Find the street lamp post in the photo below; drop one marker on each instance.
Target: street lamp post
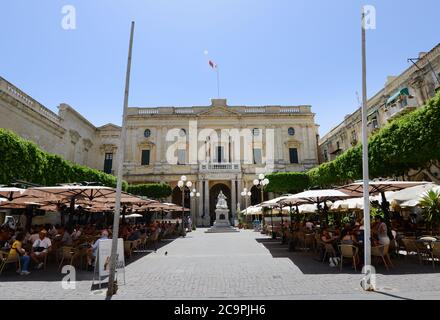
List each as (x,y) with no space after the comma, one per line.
(246,195)
(195,194)
(181,184)
(261,183)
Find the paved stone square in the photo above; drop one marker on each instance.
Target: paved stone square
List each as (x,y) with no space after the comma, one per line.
(244,265)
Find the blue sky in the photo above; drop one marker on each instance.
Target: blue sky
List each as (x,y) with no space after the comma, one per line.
(278,52)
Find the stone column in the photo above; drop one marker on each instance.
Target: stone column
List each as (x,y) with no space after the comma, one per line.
(206,220)
(239,190)
(278,145)
(233,200)
(199,210)
(305,145)
(164,144)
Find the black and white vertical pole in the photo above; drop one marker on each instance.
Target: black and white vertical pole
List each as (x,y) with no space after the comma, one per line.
(113,256)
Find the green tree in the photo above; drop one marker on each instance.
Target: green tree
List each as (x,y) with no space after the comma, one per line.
(288,182)
(151,190)
(21,159)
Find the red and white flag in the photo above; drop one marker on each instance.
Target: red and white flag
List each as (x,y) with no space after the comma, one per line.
(212,64)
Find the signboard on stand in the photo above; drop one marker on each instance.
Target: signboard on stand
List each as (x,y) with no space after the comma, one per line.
(102,262)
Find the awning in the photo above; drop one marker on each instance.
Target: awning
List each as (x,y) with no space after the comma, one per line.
(373,111)
(399,93)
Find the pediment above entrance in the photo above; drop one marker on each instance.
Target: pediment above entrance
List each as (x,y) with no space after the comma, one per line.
(219,112)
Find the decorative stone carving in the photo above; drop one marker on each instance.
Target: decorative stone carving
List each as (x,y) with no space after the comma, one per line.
(88,144)
(74,136)
(108,148)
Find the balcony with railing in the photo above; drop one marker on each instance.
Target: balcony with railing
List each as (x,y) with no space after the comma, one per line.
(290,110)
(399,108)
(143,111)
(220,167)
(372,126)
(183,110)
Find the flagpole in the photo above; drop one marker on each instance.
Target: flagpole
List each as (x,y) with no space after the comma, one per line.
(115,231)
(365,169)
(218,81)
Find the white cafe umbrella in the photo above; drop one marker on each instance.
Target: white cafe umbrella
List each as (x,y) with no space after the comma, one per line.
(411,197)
(317,196)
(378,187)
(11,193)
(275,202)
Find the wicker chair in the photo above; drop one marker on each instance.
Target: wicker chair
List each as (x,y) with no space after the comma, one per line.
(6,258)
(309,241)
(411,248)
(329,251)
(348,251)
(435,253)
(382,252)
(68,253)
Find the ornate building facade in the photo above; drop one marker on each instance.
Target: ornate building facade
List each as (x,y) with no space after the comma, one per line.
(218,147)
(400,95)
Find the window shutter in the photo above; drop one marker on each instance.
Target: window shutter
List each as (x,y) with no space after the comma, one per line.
(145,161)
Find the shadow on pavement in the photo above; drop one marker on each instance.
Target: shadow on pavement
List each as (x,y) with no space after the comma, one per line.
(308,261)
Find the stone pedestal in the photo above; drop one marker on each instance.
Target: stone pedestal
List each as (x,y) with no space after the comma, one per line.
(221,223)
(222,218)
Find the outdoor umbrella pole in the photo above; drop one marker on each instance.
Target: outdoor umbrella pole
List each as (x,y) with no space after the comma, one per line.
(283,236)
(297,210)
(71,209)
(325,212)
(386,210)
(291,217)
(124,210)
(271,221)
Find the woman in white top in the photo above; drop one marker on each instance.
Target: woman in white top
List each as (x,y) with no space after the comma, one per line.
(382,232)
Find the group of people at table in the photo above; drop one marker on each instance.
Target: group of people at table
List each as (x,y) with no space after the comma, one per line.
(36,244)
(350,234)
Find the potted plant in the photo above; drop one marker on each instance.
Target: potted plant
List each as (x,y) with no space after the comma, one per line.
(430,204)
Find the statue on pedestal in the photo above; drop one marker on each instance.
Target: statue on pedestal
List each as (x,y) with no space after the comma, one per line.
(221,201)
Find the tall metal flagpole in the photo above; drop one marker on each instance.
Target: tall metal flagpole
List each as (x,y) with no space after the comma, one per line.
(367,232)
(113,257)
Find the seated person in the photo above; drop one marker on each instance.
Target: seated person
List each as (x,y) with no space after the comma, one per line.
(17,249)
(65,237)
(326,238)
(349,238)
(4,236)
(40,248)
(93,250)
(53,231)
(34,235)
(135,235)
(143,234)
(77,233)
(309,225)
